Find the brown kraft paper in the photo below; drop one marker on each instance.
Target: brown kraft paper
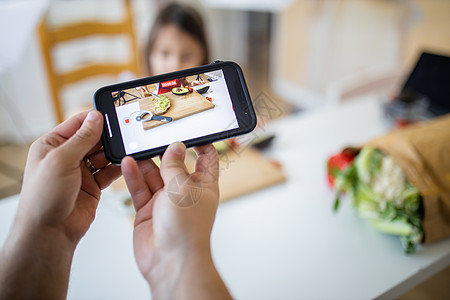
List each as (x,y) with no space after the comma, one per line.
(423,152)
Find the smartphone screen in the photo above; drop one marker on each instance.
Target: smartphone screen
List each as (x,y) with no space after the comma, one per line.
(195,106)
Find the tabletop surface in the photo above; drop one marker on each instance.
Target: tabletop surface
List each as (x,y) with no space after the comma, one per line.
(283,242)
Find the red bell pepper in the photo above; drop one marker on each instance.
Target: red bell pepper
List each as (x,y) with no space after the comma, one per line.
(339,162)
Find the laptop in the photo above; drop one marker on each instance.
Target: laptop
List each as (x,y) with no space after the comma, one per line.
(431,77)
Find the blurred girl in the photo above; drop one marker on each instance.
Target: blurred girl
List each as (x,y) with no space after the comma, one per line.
(177,41)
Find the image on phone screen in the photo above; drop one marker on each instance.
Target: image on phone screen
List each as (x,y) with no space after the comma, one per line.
(157,114)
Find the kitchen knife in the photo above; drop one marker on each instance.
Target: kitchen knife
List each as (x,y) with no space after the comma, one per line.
(148,116)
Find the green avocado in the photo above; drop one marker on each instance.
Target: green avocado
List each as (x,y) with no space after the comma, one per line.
(180,91)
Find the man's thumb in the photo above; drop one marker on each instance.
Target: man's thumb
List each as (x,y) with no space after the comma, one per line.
(86,137)
(172,162)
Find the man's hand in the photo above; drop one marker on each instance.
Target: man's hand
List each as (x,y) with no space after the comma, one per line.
(175,213)
(57,204)
(57,180)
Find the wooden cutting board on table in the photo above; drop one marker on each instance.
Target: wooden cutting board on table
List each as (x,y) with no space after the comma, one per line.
(243,171)
(246,172)
(180,107)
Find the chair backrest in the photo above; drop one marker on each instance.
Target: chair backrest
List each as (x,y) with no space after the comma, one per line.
(51,36)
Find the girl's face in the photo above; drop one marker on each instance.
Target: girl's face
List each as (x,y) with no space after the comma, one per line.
(174,50)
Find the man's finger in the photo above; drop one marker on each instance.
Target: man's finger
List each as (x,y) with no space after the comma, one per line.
(57,136)
(172,162)
(86,137)
(138,188)
(207,161)
(98,159)
(107,176)
(68,128)
(96,148)
(152,177)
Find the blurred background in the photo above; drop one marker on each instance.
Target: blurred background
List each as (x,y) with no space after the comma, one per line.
(305,53)
(302,55)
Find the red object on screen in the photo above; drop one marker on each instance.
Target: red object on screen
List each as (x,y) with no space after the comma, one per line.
(167,86)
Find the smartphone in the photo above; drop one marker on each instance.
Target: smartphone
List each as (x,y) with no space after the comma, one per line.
(195,106)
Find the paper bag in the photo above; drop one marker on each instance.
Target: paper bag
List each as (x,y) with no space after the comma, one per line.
(423,153)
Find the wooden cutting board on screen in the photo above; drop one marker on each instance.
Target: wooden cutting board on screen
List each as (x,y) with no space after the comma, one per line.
(180,107)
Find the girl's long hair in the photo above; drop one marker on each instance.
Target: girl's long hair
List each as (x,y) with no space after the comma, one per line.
(184,17)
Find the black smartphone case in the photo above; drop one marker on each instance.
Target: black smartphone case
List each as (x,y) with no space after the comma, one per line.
(244,100)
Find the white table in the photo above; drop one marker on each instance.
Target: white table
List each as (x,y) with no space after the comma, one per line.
(283,242)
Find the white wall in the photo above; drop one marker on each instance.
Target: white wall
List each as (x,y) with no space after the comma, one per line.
(24,99)
(327,48)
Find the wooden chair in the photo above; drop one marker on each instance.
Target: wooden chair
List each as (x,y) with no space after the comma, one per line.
(50,37)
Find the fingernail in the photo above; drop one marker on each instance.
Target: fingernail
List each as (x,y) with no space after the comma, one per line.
(92,116)
(178,148)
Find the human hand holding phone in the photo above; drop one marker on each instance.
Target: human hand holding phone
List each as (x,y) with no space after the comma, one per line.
(57,204)
(175,212)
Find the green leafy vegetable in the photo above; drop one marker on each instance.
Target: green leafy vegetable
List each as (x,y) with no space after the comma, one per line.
(380,192)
